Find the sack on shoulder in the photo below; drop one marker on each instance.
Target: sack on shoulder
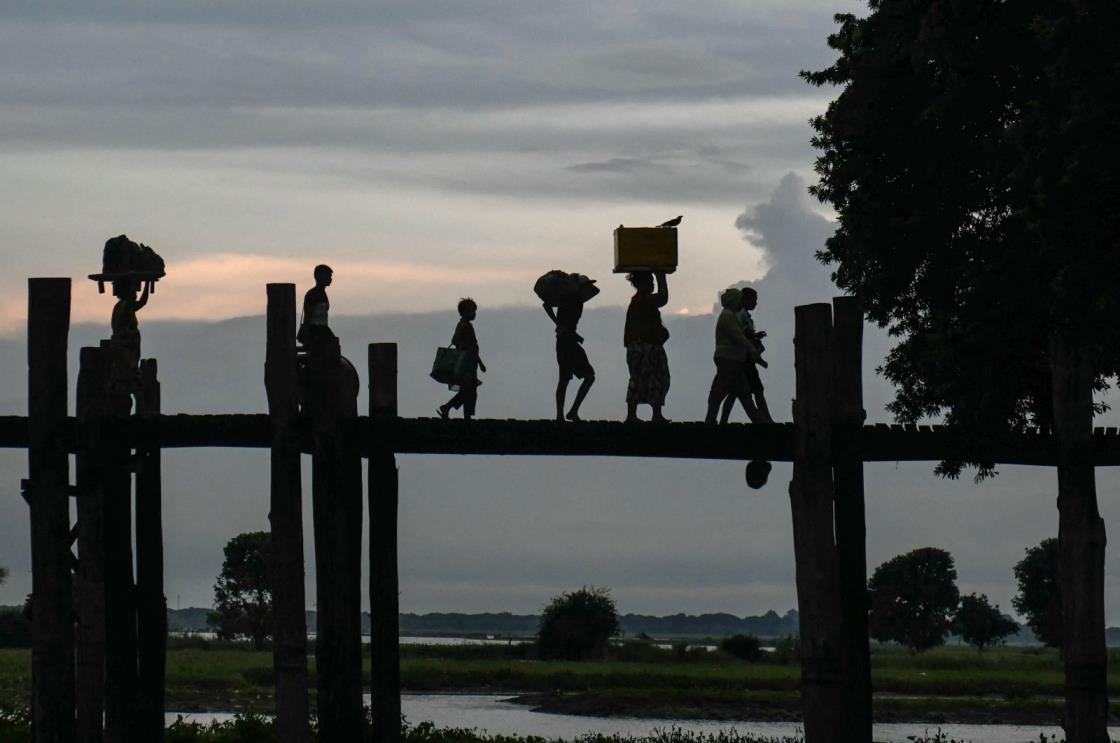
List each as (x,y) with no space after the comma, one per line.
(446,366)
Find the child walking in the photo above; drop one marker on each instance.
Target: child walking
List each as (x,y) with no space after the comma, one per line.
(468,382)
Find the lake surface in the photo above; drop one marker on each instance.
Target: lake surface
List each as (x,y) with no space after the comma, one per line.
(490,713)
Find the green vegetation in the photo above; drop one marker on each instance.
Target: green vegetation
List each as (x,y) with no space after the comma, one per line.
(743,647)
(578,625)
(1039,599)
(980,624)
(242,597)
(913,598)
(15,727)
(947,683)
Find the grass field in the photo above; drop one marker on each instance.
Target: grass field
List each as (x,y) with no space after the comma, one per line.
(1000,684)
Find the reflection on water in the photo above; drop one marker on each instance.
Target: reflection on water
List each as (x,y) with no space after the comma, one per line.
(490,713)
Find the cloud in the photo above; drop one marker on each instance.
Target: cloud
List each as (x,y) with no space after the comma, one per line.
(790,231)
(225,285)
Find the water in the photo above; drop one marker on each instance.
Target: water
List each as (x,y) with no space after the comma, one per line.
(490,713)
(404,640)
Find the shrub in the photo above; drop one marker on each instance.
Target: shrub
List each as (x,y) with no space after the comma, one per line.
(743,647)
(578,625)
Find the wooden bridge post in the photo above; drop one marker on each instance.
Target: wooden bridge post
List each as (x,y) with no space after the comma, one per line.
(47,493)
(151,604)
(289,603)
(851,528)
(337,513)
(384,605)
(120,587)
(90,631)
(811,501)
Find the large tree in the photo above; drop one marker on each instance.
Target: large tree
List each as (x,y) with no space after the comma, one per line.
(913,597)
(243,594)
(972,159)
(1039,599)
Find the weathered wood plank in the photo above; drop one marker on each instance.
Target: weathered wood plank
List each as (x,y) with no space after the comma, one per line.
(52,638)
(851,528)
(880,442)
(289,650)
(90,628)
(814,547)
(337,512)
(151,604)
(120,584)
(385,678)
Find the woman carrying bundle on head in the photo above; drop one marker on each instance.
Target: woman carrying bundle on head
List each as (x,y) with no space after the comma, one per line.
(644,338)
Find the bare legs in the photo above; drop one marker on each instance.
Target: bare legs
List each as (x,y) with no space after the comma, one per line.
(632,413)
(581,393)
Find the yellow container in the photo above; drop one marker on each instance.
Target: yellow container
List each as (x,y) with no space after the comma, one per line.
(645,249)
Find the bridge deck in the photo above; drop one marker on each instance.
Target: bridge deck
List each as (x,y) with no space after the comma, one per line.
(688,440)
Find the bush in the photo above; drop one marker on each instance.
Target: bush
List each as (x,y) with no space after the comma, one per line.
(980,624)
(743,647)
(15,629)
(787,650)
(578,625)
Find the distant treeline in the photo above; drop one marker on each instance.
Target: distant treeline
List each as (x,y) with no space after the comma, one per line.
(15,631)
(504,624)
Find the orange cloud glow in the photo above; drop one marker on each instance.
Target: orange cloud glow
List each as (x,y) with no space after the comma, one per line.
(225,285)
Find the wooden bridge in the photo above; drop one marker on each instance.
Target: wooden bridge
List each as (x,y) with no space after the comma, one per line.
(102,677)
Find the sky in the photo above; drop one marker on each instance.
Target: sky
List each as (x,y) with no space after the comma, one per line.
(429,151)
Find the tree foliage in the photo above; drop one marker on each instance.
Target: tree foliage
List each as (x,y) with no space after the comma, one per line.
(743,647)
(578,625)
(972,159)
(980,624)
(1040,597)
(243,594)
(913,598)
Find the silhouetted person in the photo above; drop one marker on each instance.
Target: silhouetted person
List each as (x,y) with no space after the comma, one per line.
(314,324)
(570,356)
(126,328)
(468,382)
(645,337)
(733,348)
(746,322)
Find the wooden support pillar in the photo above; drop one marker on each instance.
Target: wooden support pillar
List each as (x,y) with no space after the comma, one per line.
(337,511)
(120,588)
(90,630)
(1081,544)
(384,605)
(289,603)
(52,621)
(851,527)
(814,546)
(151,604)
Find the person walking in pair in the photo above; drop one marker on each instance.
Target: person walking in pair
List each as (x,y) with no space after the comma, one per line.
(733,350)
(748,301)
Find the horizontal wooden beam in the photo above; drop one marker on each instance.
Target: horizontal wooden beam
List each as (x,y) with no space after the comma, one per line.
(872,443)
